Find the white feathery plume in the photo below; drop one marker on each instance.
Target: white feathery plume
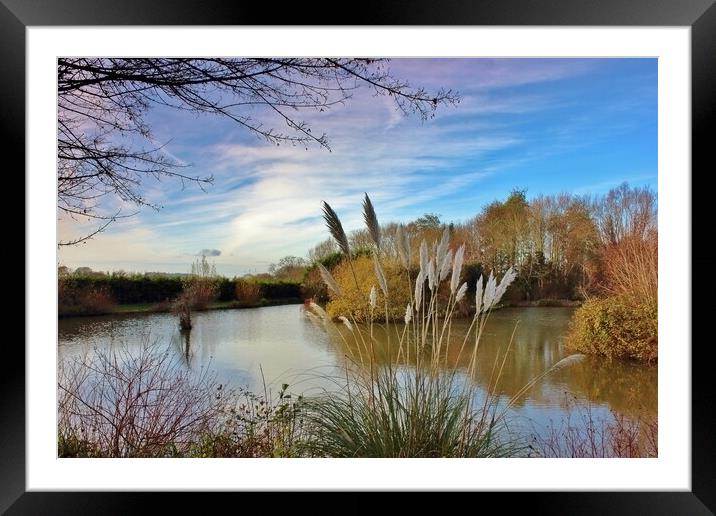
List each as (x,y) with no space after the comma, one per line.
(373,297)
(424,257)
(432,273)
(408,313)
(457,268)
(345,321)
(328,279)
(442,247)
(446,266)
(478,295)
(317,310)
(461,292)
(567,361)
(419,282)
(403,244)
(314,318)
(507,279)
(489,296)
(380,275)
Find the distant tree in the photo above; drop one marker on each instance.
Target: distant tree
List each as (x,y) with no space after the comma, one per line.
(105,144)
(626,212)
(289,268)
(427,221)
(201,268)
(322,249)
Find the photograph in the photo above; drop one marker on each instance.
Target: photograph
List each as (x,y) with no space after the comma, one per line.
(357,257)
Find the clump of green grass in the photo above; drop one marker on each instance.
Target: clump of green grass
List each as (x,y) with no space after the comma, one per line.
(401,414)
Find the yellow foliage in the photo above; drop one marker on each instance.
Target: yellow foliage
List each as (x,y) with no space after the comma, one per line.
(353,301)
(618,327)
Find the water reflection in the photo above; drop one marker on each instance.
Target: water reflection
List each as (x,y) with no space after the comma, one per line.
(269,346)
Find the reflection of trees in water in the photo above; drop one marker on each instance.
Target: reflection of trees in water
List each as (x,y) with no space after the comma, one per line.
(627,388)
(186,342)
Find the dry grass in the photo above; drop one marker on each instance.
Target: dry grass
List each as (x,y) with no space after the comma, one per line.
(121,403)
(622,322)
(248,292)
(631,267)
(583,434)
(124,404)
(90,300)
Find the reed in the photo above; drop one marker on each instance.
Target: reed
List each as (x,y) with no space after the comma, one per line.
(386,408)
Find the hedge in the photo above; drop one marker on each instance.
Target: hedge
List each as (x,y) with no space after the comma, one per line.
(156,289)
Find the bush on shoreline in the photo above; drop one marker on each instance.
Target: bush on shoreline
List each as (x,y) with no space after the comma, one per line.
(616,327)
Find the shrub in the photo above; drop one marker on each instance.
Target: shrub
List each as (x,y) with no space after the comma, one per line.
(399,416)
(353,299)
(313,286)
(226,289)
(281,289)
(631,268)
(126,404)
(119,404)
(616,327)
(83,298)
(248,292)
(257,426)
(200,292)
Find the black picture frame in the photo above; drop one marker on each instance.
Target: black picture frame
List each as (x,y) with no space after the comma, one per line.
(700,15)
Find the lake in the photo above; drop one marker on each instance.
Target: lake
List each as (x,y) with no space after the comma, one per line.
(262,348)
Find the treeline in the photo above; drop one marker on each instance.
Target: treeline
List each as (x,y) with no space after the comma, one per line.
(557,243)
(95,293)
(601,250)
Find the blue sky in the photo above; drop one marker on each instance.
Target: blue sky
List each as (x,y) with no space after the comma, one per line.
(545,125)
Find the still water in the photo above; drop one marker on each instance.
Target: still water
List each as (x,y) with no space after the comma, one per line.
(262,348)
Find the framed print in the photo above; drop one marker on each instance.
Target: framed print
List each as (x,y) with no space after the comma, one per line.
(200,154)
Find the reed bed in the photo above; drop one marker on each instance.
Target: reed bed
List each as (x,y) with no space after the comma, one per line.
(429,409)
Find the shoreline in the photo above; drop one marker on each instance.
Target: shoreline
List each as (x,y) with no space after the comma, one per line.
(151,308)
(545,303)
(157,308)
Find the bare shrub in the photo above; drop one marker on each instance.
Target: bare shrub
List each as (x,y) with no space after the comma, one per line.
(632,268)
(83,300)
(141,404)
(248,292)
(258,426)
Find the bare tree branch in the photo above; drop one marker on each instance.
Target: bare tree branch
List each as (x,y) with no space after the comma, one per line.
(105,147)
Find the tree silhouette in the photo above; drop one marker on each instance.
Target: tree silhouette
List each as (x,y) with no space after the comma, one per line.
(105,145)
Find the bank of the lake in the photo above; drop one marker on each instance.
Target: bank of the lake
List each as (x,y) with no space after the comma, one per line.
(148,308)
